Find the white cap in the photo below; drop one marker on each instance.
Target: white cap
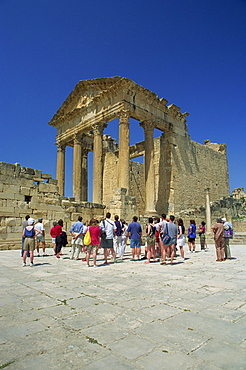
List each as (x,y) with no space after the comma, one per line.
(30,221)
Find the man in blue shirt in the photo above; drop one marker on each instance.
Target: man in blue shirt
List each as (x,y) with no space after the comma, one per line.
(134,232)
(78,231)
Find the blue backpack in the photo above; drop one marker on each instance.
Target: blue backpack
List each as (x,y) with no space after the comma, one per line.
(29,233)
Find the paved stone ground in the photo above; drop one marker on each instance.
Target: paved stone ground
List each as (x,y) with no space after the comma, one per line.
(60,314)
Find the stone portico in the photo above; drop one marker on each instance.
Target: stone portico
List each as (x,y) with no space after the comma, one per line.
(174,166)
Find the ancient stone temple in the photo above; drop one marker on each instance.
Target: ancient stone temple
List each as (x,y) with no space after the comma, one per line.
(177,172)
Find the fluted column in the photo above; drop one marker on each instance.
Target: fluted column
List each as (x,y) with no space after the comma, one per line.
(124,151)
(149,168)
(77,161)
(84,175)
(98,163)
(208,210)
(60,167)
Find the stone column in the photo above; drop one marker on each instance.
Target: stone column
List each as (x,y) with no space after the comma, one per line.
(77,160)
(208,210)
(98,163)
(124,151)
(84,175)
(149,168)
(60,167)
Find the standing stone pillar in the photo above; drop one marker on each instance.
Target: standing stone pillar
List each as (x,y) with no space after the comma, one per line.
(60,168)
(149,168)
(124,151)
(84,175)
(208,210)
(77,159)
(98,163)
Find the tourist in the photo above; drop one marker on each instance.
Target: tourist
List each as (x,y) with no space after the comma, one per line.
(157,236)
(161,228)
(94,230)
(150,238)
(202,235)
(29,243)
(24,224)
(117,234)
(227,235)
(78,231)
(192,236)
(40,237)
(172,230)
(218,230)
(107,226)
(123,239)
(134,232)
(60,238)
(53,234)
(181,238)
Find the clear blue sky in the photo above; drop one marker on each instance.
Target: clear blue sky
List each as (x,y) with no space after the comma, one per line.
(192,53)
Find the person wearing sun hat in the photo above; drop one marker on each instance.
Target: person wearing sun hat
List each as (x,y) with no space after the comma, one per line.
(29,233)
(227,236)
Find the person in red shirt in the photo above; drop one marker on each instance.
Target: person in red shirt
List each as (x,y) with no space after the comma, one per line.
(94,230)
(56,231)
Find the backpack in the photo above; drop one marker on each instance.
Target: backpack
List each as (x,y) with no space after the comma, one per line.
(29,233)
(152,230)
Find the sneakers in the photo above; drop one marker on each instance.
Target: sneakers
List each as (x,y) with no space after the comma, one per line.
(24,264)
(45,254)
(95,266)
(31,264)
(38,255)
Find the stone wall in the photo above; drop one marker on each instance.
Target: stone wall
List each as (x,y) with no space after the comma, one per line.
(28,191)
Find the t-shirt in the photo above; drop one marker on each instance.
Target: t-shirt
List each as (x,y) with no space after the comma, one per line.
(108,226)
(55,231)
(162,225)
(134,229)
(77,227)
(171,229)
(95,234)
(192,233)
(40,227)
(118,228)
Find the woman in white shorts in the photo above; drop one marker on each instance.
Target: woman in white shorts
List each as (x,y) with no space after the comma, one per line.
(181,238)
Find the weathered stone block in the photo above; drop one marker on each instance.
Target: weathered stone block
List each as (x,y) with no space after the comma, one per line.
(11,221)
(46,176)
(3,229)
(48,188)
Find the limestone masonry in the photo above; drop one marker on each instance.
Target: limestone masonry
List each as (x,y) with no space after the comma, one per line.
(179,176)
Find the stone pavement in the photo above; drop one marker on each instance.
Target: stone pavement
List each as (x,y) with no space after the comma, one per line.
(60,314)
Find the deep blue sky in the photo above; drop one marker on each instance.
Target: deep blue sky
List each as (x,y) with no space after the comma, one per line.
(192,53)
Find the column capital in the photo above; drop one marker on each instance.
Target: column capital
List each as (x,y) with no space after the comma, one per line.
(60,146)
(77,138)
(147,125)
(98,128)
(124,116)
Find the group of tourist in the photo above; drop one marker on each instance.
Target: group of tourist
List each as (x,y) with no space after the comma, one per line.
(163,239)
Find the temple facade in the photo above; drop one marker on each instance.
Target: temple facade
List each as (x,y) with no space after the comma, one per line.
(177,173)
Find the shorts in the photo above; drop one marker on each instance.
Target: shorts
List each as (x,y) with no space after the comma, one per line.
(107,243)
(190,240)
(79,240)
(135,243)
(29,244)
(40,238)
(150,240)
(181,241)
(91,247)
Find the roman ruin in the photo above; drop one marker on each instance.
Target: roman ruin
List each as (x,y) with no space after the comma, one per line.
(178,175)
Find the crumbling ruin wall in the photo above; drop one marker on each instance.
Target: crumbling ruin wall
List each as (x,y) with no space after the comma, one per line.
(28,191)
(196,167)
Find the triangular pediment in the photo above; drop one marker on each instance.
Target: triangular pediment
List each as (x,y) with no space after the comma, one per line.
(83,94)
